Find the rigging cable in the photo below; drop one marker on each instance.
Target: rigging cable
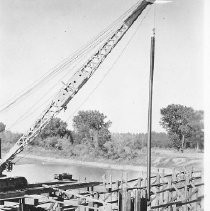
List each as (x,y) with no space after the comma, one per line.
(154,20)
(109,69)
(71,59)
(34,106)
(106,74)
(29,112)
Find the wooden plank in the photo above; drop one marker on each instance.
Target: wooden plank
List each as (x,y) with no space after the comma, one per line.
(132,204)
(169,193)
(158,189)
(178,203)
(70,186)
(120,200)
(137,200)
(143,204)
(128,201)
(124,199)
(180,187)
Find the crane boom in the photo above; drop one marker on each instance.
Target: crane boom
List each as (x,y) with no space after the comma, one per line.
(74,84)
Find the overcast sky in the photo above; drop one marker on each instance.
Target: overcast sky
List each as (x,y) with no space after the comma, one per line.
(35,35)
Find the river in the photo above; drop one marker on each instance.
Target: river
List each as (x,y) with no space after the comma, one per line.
(42,169)
(42,172)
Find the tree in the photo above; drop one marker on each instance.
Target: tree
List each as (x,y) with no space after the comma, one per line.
(92,128)
(56,127)
(197,138)
(2,127)
(181,123)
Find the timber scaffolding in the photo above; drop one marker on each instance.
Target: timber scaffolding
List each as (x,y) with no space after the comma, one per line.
(181,190)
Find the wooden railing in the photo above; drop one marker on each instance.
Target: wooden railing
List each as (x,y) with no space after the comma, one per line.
(181,190)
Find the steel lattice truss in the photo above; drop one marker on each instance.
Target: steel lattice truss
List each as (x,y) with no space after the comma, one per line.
(74,84)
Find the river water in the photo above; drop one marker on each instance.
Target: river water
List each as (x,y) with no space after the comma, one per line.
(43,172)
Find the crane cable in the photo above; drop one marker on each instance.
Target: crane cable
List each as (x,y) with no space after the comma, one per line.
(99,39)
(106,74)
(71,59)
(110,68)
(29,112)
(34,107)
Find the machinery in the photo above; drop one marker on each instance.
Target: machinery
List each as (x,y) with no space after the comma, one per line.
(70,89)
(12,183)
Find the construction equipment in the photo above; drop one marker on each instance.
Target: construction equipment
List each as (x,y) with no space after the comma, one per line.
(74,84)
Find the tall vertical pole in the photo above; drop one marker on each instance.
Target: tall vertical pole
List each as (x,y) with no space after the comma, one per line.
(0,148)
(1,175)
(149,130)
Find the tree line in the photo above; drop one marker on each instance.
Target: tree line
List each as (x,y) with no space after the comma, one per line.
(91,134)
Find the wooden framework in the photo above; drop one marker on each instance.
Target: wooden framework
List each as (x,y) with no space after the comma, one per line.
(179,191)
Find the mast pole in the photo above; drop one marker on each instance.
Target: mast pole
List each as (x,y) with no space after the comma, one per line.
(149,129)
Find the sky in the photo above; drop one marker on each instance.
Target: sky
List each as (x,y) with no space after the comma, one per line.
(37,35)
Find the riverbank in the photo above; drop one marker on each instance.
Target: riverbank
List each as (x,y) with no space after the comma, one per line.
(161,159)
(103,165)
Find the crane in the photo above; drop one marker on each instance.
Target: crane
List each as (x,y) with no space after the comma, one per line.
(73,85)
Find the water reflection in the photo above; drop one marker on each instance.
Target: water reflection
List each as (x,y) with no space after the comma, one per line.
(43,172)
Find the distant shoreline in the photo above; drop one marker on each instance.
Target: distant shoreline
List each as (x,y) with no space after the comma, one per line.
(166,160)
(103,165)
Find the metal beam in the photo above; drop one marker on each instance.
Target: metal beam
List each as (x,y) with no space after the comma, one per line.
(149,131)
